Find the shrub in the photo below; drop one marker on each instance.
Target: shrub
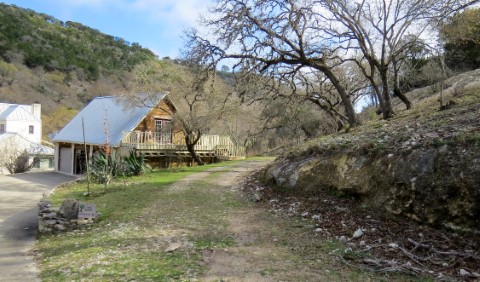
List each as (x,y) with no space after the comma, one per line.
(104,168)
(135,164)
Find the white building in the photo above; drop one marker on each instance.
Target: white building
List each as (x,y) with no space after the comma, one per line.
(24,120)
(21,129)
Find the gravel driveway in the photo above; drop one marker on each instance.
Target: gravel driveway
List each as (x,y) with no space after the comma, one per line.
(19,195)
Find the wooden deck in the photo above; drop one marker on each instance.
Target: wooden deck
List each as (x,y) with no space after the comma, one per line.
(153,144)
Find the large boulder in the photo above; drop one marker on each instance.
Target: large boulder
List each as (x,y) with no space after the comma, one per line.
(69,209)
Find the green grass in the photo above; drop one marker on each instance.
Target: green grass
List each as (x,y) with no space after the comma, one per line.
(123,244)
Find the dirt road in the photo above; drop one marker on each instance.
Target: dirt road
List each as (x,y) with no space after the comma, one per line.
(247,243)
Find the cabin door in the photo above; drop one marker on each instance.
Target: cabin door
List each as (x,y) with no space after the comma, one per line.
(65,161)
(163,131)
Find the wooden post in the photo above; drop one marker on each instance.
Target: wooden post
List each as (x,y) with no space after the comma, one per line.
(86,157)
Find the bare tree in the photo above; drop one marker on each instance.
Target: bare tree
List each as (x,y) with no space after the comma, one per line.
(377,31)
(201,99)
(202,103)
(273,38)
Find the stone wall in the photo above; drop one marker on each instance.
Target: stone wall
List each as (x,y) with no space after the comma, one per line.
(51,219)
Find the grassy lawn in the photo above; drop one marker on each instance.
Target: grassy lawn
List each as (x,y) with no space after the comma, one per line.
(211,232)
(129,240)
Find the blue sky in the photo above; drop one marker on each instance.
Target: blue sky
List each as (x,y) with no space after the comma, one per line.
(154,24)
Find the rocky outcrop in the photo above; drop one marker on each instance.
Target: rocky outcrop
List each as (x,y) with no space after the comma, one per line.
(51,219)
(435,185)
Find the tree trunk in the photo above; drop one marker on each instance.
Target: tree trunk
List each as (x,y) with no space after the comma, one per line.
(346,101)
(387,109)
(396,87)
(397,92)
(191,148)
(380,102)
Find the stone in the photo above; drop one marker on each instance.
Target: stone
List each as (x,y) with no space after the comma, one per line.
(343,239)
(393,245)
(50,222)
(443,149)
(44,204)
(411,183)
(256,197)
(463,272)
(60,227)
(48,210)
(316,217)
(358,233)
(83,221)
(318,230)
(69,209)
(305,214)
(173,247)
(49,215)
(45,229)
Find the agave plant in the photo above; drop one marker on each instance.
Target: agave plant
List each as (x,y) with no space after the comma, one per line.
(104,168)
(135,164)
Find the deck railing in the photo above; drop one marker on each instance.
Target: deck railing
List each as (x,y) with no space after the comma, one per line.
(222,146)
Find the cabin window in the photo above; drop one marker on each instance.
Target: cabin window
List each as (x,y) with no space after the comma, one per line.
(31,129)
(163,131)
(2,128)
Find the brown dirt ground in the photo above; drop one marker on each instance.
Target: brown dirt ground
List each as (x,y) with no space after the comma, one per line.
(267,247)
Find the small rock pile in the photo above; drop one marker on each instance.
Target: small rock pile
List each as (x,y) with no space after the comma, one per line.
(52,219)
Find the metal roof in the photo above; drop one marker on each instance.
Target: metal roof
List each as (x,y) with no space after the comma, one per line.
(23,143)
(104,115)
(16,112)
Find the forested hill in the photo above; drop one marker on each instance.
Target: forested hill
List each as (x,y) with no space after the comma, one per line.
(61,65)
(41,40)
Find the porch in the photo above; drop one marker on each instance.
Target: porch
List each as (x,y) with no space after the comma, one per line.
(155,144)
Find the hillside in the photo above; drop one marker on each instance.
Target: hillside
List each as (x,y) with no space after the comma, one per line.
(417,174)
(35,39)
(61,65)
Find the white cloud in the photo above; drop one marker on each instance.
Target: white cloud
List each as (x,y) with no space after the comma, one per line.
(164,20)
(176,15)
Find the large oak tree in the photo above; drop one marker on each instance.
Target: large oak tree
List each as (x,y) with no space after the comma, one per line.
(278,39)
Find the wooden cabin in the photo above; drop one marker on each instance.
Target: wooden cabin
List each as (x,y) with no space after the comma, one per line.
(147,128)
